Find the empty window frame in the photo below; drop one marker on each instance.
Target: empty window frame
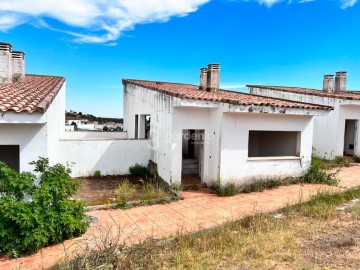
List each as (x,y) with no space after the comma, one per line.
(10,154)
(274,143)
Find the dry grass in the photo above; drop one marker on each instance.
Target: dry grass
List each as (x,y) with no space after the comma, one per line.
(287,239)
(122,189)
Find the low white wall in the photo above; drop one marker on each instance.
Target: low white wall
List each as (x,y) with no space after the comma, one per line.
(110,157)
(81,135)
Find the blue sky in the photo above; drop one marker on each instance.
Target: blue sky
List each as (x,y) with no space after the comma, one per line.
(95,44)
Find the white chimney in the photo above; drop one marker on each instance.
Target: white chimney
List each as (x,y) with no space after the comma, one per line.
(18,66)
(203,78)
(340,81)
(328,83)
(5,63)
(213,77)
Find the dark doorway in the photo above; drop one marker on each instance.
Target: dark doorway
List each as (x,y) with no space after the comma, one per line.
(192,156)
(349,138)
(10,154)
(136,126)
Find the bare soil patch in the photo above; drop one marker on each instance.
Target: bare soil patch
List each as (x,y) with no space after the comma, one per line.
(101,190)
(336,248)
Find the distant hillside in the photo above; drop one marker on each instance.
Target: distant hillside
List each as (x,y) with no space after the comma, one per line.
(90,117)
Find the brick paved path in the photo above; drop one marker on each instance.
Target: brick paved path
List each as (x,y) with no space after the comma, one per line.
(197,211)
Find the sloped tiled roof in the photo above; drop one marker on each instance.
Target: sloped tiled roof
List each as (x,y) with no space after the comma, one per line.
(192,92)
(351,95)
(35,94)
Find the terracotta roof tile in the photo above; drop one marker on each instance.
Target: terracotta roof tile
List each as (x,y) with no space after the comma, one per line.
(193,92)
(34,94)
(351,95)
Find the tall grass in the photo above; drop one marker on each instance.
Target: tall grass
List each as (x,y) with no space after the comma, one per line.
(255,242)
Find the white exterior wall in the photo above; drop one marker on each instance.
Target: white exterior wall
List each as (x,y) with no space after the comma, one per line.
(198,118)
(329,130)
(350,112)
(110,157)
(235,164)
(141,101)
(30,137)
(91,135)
(55,124)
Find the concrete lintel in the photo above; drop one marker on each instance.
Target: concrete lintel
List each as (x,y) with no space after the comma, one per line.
(198,103)
(11,117)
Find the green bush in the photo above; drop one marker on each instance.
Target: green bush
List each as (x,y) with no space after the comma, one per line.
(356,159)
(318,173)
(139,170)
(49,217)
(97,174)
(261,185)
(227,190)
(340,160)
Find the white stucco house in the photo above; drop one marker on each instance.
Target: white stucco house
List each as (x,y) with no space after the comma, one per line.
(214,134)
(31,108)
(185,132)
(336,133)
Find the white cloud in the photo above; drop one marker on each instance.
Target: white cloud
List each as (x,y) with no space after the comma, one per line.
(269,3)
(305,1)
(93,21)
(347,3)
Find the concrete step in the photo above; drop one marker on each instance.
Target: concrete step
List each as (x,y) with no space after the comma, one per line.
(189,161)
(191,166)
(190,171)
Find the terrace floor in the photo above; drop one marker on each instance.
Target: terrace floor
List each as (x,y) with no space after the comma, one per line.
(199,210)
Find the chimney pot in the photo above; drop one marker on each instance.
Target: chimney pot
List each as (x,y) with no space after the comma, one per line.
(213,77)
(5,63)
(340,81)
(203,78)
(18,66)
(328,83)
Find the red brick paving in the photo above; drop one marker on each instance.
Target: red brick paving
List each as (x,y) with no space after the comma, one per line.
(197,211)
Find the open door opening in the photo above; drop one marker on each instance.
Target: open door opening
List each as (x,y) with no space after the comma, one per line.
(192,156)
(349,138)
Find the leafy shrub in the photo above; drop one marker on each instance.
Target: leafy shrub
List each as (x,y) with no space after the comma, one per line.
(49,217)
(356,159)
(97,174)
(229,189)
(125,192)
(317,173)
(139,170)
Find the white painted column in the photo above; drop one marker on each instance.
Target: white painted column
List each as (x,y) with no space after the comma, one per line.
(141,126)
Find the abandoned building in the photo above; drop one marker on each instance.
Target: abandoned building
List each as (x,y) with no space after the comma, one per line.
(211,134)
(335,134)
(31,108)
(196,133)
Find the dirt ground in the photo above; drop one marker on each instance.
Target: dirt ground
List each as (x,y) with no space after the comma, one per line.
(100,190)
(338,247)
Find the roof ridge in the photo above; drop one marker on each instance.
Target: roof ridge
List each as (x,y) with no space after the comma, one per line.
(282,86)
(44,104)
(125,79)
(220,96)
(44,75)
